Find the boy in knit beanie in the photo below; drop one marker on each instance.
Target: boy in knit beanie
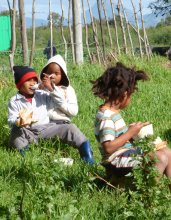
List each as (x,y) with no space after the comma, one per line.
(28,113)
(27,110)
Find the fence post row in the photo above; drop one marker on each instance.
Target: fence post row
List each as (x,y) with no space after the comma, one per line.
(118,40)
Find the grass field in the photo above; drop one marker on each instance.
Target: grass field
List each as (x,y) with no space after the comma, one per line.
(38,188)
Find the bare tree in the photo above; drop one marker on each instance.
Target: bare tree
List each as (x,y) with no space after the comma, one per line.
(162,7)
(33,33)
(23,31)
(10,11)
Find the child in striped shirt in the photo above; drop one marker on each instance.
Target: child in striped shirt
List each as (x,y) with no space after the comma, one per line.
(116,87)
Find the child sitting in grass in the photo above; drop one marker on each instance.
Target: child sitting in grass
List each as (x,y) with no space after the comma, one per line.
(115,87)
(55,79)
(28,115)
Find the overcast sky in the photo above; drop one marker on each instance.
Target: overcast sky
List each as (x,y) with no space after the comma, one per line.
(42,6)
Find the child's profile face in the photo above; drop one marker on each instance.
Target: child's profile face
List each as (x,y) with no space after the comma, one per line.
(54,70)
(26,87)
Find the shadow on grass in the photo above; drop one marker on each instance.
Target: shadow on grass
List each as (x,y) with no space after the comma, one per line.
(83,178)
(23,175)
(47,145)
(73,184)
(4,212)
(80,184)
(5,143)
(167,135)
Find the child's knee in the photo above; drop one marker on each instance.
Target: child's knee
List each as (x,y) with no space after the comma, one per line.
(162,157)
(76,131)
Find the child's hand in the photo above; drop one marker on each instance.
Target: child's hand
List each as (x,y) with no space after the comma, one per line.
(135,128)
(46,81)
(25,118)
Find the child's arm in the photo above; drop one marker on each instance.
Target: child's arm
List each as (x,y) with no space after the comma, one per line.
(111,146)
(65,100)
(12,114)
(46,83)
(20,118)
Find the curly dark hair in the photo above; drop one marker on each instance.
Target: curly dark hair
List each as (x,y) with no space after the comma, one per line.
(117,80)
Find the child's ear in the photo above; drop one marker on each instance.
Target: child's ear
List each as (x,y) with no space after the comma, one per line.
(125,93)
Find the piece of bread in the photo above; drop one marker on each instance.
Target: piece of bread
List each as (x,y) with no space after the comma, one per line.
(159,144)
(25,118)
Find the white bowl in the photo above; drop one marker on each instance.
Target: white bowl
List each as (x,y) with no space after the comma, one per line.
(145,132)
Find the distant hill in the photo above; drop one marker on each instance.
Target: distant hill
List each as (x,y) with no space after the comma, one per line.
(41,22)
(150,20)
(38,22)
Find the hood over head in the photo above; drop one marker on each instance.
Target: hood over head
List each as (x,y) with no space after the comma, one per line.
(58,59)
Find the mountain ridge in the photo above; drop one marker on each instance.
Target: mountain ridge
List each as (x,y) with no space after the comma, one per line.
(150,20)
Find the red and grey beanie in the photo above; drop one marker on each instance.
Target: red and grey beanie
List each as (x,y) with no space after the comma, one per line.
(22,74)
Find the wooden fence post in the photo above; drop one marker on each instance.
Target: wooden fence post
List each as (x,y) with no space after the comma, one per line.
(33,33)
(138,31)
(51,30)
(62,31)
(94,33)
(115,26)
(101,28)
(127,25)
(77,27)
(23,31)
(107,23)
(70,31)
(122,27)
(144,31)
(86,32)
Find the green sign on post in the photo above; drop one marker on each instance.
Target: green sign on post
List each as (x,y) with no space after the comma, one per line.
(5,33)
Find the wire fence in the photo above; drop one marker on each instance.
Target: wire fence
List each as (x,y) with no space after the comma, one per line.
(106,31)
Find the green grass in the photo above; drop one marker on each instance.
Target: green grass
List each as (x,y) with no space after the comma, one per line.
(37,188)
